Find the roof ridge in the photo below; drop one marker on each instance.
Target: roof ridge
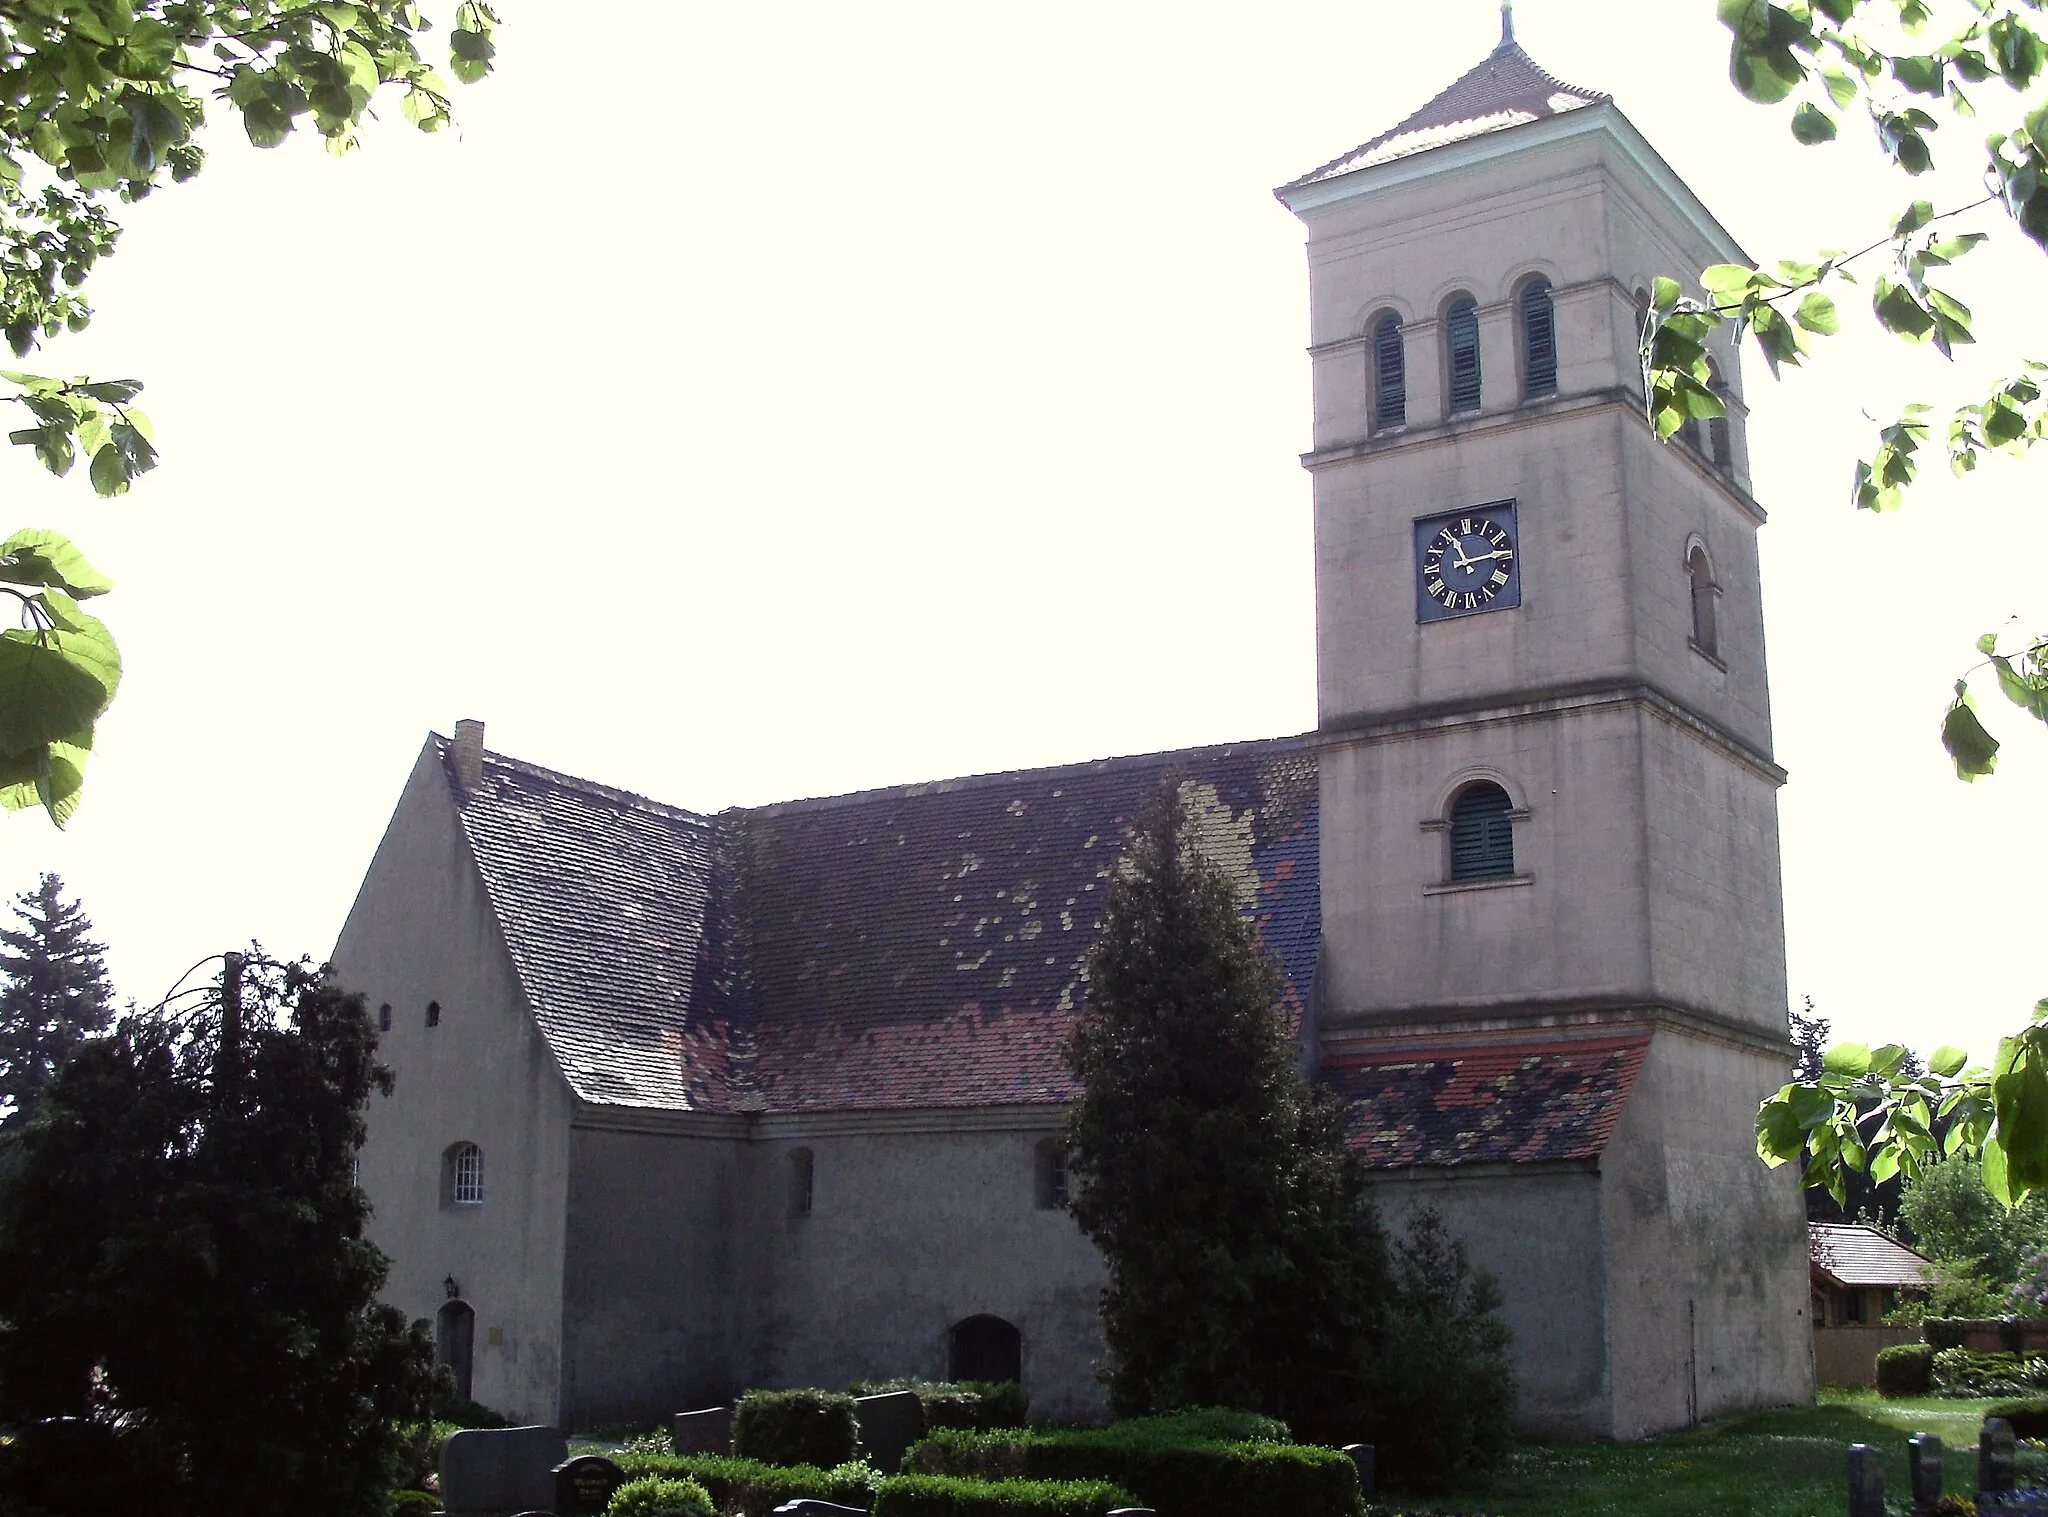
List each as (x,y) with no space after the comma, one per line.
(1114,764)
(575,782)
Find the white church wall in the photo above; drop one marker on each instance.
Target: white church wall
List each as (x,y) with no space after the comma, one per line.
(422,931)
(651,1271)
(1536,1228)
(1707,1247)
(1576,930)
(913,1228)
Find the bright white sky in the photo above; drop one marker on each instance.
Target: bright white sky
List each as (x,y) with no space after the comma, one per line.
(765,401)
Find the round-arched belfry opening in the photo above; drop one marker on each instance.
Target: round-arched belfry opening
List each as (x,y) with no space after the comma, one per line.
(986,1348)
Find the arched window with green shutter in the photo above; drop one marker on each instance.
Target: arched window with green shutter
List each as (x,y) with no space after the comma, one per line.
(1461,337)
(1482,833)
(1539,340)
(1390,375)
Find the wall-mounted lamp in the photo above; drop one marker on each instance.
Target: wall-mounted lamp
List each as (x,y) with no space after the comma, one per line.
(451,1287)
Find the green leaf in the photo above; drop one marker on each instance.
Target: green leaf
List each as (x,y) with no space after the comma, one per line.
(1988,643)
(1664,293)
(1920,73)
(1884,1163)
(1811,125)
(1761,60)
(1887,1059)
(109,471)
(1847,1059)
(53,684)
(1948,249)
(36,556)
(1996,1178)
(1779,1136)
(1974,750)
(1817,313)
(1916,216)
(1841,87)
(1725,279)
(1899,312)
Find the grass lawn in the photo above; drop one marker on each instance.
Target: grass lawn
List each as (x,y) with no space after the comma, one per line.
(1790,1462)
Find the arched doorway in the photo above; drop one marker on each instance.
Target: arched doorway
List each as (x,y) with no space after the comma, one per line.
(454,1337)
(986,1348)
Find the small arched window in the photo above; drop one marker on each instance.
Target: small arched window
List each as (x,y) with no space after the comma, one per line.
(462,1175)
(802,1171)
(1461,344)
(1482,833)
(1539,340)
(1390,375)
(1700,572)
(433,1013)
(384,1017)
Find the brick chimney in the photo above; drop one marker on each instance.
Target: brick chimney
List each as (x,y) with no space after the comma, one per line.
(468,752)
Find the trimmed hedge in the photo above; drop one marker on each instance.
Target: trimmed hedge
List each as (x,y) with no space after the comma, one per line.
(753,1489)
(1225,1424)
(795,1427)
(1963,1372)
(949,1496)
(1905,1369)
(958,1403)
(660,1496)
(414,1504)
(2029,1416)
(1174,1473)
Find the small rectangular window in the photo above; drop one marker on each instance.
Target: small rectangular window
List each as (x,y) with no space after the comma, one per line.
(801,1173)
(384,1017)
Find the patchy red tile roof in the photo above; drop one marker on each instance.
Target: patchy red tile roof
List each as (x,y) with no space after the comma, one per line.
(1853,1255)
(1486,1103)
(1506,89)
(912,947)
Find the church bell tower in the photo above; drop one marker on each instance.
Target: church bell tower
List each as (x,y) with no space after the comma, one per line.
(1549,804)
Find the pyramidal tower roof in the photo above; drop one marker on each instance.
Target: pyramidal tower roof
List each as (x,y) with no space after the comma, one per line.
(1506,89)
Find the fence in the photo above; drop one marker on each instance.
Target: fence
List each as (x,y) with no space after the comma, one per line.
(1847,1355)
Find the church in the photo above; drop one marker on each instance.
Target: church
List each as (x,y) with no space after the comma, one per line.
(688,1103)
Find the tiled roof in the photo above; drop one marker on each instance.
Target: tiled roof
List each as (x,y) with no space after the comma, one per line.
(1506,89)
(912,947)
(1849,1255)
(601,895)
(1486,1103)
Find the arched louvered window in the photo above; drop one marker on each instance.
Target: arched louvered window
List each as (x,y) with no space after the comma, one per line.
(1705,635)
(1482,833)
(1720,442)
(1539,340)
(1461,339)
(1390,375)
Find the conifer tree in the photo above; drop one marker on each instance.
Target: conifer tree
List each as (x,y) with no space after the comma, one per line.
(1245,1267)
(189,1321)
(53,994)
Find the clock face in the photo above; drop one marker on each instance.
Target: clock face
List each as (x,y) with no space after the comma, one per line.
(1467,561)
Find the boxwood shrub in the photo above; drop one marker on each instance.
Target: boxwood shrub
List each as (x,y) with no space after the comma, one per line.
(959,1403)
(795,1427)
(749,1488)
(953,1496)
(1170,1471)
(660,1496)
(2029,1416)
(414,1504)
(1905,1369)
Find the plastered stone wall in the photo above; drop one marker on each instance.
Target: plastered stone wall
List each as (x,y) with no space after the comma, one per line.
(909,1233)
(1707,1247)
(651,1274)
(421,930)
(1537,1230)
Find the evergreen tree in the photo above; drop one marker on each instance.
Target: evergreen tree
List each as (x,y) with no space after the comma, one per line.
(1245,1267)
(53,994)
(188,1317)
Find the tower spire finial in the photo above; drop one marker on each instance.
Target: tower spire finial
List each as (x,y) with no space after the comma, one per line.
(1507,22)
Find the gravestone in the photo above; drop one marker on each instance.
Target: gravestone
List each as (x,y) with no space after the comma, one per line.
(708,1431)
(1134,1511)
(889,1424)
(584,1485)
(496,1471)
(813,1508)
(1362,1461)
(1866,1481)
(1994,1455)
(1923,1471)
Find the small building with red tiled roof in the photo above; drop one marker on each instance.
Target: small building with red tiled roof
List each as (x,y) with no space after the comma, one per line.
(1859,1274)
(690,1102)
